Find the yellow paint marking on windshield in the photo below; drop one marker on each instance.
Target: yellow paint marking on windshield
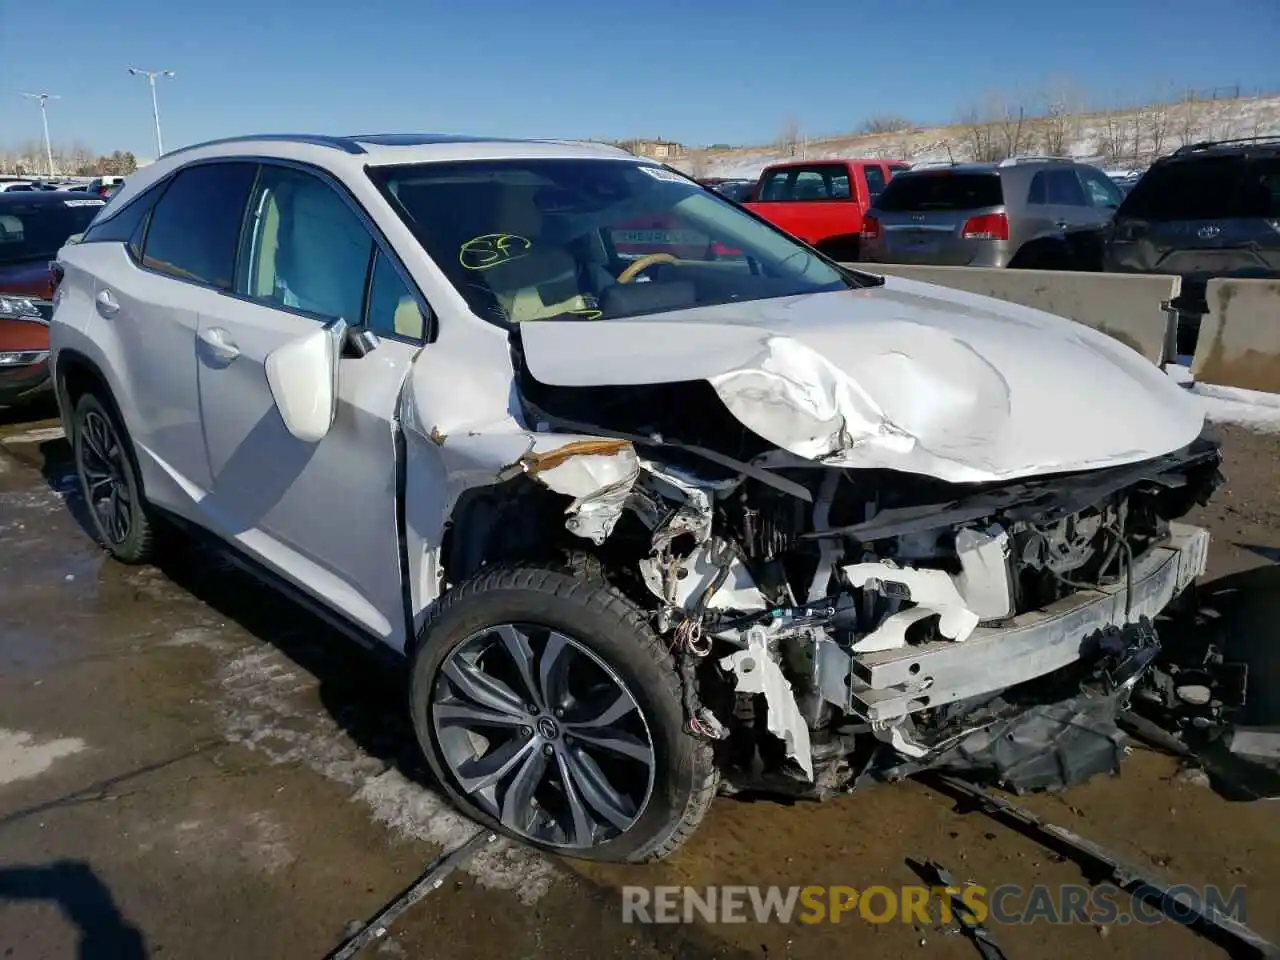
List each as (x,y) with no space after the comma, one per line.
(492,249)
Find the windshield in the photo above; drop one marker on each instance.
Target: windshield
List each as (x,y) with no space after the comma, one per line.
(30,231)
(594,239)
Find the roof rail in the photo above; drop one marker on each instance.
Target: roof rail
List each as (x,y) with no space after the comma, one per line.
(1183,150)
(1030,158)
(345,144)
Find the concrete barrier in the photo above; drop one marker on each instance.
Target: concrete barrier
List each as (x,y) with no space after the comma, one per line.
(1132,308)
(1239,342)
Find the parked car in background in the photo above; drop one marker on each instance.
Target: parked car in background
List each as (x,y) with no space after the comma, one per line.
(1024,212)
(823,201)
(1208,210)
(33,227)
(1125,179)
(104,186)
(16,186)
(738,190)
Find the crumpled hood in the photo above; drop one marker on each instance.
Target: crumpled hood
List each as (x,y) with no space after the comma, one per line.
(907,376)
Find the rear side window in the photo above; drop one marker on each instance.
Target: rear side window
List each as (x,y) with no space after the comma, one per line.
(828,181)
(196,224)
(1060,187)
(1207,188)
(918,192)
(126,226)
(875,181)
(1101,189)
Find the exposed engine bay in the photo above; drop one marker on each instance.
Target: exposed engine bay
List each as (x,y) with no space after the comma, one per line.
(831,623)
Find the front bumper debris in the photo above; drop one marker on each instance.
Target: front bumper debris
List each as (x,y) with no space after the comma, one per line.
(891,684)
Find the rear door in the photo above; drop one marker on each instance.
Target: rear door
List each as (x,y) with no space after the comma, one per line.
(1056,206)
(322,514)
(922,215)
(185,257)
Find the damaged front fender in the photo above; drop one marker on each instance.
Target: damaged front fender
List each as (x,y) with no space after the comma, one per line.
(597,473)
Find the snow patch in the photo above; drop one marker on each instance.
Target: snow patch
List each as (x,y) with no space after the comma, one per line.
(38,435)
(263,709)
(22,757)
(1244,408)
(1234,405)
(411,811)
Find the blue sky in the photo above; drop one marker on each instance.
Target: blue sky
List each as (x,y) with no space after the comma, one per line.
(689,71)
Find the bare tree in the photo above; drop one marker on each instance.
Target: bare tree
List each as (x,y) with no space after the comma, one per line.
(789,138)
(1190,117)
(1159,125)
(1062,105)
(1009,115)
(884,123)
(1115,138)
(80,157)
(697,164)
(978,136)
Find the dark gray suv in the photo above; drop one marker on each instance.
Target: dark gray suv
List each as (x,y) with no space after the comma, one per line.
(1024,212)
(1208,210)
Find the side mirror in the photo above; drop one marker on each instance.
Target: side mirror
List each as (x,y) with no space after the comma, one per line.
(303,377)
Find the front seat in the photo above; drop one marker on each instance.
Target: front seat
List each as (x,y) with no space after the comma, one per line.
(541,282)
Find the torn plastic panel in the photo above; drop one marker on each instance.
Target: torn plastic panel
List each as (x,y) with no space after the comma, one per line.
(597,473)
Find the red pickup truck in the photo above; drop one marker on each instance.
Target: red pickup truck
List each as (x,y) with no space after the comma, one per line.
(823,201)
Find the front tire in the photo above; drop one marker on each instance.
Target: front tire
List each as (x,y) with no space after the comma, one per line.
(549,710)
(109,482)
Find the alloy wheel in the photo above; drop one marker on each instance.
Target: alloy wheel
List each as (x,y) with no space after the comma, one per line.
(103,470)
(543,736)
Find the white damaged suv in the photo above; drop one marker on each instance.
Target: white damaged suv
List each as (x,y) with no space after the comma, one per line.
(653,499)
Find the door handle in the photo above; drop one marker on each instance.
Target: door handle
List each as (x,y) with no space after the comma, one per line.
(1061,224)
(220,343)
(106,303)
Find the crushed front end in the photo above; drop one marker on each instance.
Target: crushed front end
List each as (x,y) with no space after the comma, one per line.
(833,623)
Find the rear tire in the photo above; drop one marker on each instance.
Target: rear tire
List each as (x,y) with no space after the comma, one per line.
(109,481)
(500,642)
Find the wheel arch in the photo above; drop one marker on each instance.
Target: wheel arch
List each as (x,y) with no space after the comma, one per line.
(75,373)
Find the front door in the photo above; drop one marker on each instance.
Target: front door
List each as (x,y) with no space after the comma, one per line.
(322,514)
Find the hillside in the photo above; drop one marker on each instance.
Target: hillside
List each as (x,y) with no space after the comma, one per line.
(1120,139)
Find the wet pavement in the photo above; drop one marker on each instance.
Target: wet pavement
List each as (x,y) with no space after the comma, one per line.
(190,766)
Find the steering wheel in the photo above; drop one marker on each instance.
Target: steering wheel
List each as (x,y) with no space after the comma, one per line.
(644,263)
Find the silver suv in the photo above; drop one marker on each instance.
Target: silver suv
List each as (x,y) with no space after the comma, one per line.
(635,525)
(1025,212)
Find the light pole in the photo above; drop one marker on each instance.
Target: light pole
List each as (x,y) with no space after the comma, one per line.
(43,98)
(155,106)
